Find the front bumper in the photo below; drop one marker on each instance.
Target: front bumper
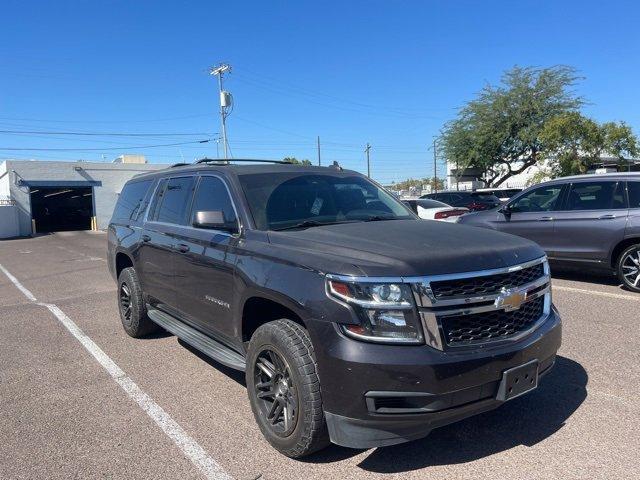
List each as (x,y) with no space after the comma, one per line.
(421,388)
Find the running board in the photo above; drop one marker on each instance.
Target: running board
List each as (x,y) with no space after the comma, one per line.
(198,340)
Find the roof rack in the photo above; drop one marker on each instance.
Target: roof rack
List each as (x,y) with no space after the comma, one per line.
(226,161)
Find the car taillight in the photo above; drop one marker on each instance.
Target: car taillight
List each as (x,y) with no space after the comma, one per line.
(449,213)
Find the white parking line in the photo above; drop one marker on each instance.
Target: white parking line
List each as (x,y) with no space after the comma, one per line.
(189,447)
(595,292)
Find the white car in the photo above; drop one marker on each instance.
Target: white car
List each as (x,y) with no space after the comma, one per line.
(435,210)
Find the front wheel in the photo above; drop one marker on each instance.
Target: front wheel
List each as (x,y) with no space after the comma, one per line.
(284,389)
(629,268)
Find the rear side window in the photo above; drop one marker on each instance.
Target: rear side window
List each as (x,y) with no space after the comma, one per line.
(212,195)
(131,202)
(634,194)
(595,196)
(173,201)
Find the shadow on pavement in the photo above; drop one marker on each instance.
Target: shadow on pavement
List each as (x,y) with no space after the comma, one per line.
(588,276)
(229,372)
(523,421)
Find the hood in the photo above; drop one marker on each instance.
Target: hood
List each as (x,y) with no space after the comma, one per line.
(403,248)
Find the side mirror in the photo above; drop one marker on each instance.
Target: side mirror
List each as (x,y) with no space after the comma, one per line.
(505,210)
(214,220)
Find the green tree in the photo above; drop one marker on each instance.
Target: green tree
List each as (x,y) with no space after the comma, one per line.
(295,161)
(573,143)
(499,131)
(418,182)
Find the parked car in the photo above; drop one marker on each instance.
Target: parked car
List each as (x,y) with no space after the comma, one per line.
(471,200)
(354,321)
(503,194)
(587,219)
(434,210)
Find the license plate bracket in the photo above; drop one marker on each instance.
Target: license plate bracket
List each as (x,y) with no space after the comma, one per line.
(518,380)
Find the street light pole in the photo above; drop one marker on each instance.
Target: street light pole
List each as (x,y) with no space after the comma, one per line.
(435,169)
(366,150)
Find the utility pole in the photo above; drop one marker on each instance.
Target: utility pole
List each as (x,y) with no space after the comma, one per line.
(225,102)
(319,161)
(435,168)
(366,150)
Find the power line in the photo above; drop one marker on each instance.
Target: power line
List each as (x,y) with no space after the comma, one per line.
(100,149)
(105,134)
(107,121)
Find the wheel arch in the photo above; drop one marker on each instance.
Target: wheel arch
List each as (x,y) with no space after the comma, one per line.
(621,247)
(258,309)
(121,261)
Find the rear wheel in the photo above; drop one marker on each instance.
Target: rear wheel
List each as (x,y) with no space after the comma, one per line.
(629,268)
(284,389)
(133,313)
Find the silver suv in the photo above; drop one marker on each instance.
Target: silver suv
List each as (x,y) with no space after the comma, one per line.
(590,219)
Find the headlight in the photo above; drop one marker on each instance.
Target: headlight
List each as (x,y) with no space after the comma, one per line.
(385,311)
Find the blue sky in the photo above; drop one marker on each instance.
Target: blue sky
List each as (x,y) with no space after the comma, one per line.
(383,72)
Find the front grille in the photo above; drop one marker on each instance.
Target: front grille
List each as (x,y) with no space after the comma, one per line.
(485,285)
(462,330)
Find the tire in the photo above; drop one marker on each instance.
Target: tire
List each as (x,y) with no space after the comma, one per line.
(628,268)
(133,312)
(297,425)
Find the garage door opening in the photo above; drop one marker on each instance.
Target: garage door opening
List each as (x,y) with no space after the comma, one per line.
(59,209)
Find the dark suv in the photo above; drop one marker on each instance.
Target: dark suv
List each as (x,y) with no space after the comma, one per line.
(354,321)
(472,200)
(586,220)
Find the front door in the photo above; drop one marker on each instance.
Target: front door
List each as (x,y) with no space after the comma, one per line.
(205,268)
(593,219)
(531,216)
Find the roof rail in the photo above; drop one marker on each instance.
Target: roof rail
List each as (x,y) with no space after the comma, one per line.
(226,161)
(179,165)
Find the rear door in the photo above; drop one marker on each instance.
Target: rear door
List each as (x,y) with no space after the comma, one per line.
(532,216)
(157,254)
(592,220)
(204,268)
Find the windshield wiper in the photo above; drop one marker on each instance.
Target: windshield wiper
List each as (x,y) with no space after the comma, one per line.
(307,224)
(378,218)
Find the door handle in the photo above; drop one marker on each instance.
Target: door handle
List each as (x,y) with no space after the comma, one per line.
(146,238)
(182,248)
(545,219)
(607,217)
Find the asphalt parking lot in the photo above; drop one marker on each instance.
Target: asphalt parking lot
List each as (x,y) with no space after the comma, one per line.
(80,399)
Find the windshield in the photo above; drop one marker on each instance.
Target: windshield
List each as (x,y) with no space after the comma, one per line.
(280,201)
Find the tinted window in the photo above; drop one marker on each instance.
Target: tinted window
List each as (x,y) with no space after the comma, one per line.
(634,194)
(594,196)
(173,201)
(131,201)
(212,195)
(485,197)
(541,199)
(428,203)
(283,200)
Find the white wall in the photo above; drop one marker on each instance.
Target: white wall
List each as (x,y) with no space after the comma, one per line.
(9,221)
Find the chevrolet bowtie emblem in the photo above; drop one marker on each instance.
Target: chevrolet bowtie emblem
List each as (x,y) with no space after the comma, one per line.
(511,299)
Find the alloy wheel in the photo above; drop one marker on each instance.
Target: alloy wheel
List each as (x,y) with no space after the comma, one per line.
(125,302)
(276,393)
(631,268)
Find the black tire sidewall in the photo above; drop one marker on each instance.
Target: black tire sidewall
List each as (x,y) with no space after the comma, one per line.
(269,338)
(621,277)
(138,325)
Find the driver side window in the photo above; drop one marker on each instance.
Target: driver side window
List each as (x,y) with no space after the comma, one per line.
(543,199)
